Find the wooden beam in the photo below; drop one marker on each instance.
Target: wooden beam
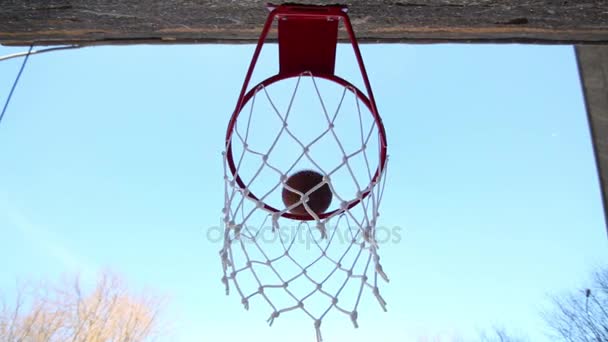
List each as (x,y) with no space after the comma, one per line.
(593,69)
(87,22)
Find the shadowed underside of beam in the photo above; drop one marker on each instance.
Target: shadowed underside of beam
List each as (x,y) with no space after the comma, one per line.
(90,22)
(593,67)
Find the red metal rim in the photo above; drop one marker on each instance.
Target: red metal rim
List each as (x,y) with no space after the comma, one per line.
(364,99)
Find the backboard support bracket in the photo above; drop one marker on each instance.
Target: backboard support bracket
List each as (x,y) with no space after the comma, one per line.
(308,36)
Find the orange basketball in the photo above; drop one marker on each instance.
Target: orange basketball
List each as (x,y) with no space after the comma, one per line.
(303,181)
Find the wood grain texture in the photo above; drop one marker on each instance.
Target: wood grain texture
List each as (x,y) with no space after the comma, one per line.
(191,21)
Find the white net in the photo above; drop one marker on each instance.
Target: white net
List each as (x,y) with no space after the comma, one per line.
(326,261)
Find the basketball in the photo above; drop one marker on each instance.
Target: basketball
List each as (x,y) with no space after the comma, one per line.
(303,181)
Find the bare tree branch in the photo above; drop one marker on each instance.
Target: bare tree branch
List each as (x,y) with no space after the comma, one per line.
(581,316)
(108,312)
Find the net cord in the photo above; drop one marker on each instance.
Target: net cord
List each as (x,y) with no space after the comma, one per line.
(363,236)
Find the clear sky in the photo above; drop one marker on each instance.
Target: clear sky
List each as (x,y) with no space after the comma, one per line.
(110,157)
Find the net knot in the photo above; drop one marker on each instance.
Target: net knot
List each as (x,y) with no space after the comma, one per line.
(227,287)
(344,205)
(368,236)
(379,298)
(273,315)
(380,271)
(353,318)
(225,260)
(237,230)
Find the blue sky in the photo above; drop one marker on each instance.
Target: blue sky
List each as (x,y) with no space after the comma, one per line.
(110,157)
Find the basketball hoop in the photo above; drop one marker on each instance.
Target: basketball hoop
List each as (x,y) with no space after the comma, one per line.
(345,144)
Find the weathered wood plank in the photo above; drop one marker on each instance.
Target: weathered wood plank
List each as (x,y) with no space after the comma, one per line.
(190,21)
(593,68)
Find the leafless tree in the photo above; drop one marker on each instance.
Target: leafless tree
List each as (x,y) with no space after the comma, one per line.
(66,312)
(499,334)
(581,316)
(495,334)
